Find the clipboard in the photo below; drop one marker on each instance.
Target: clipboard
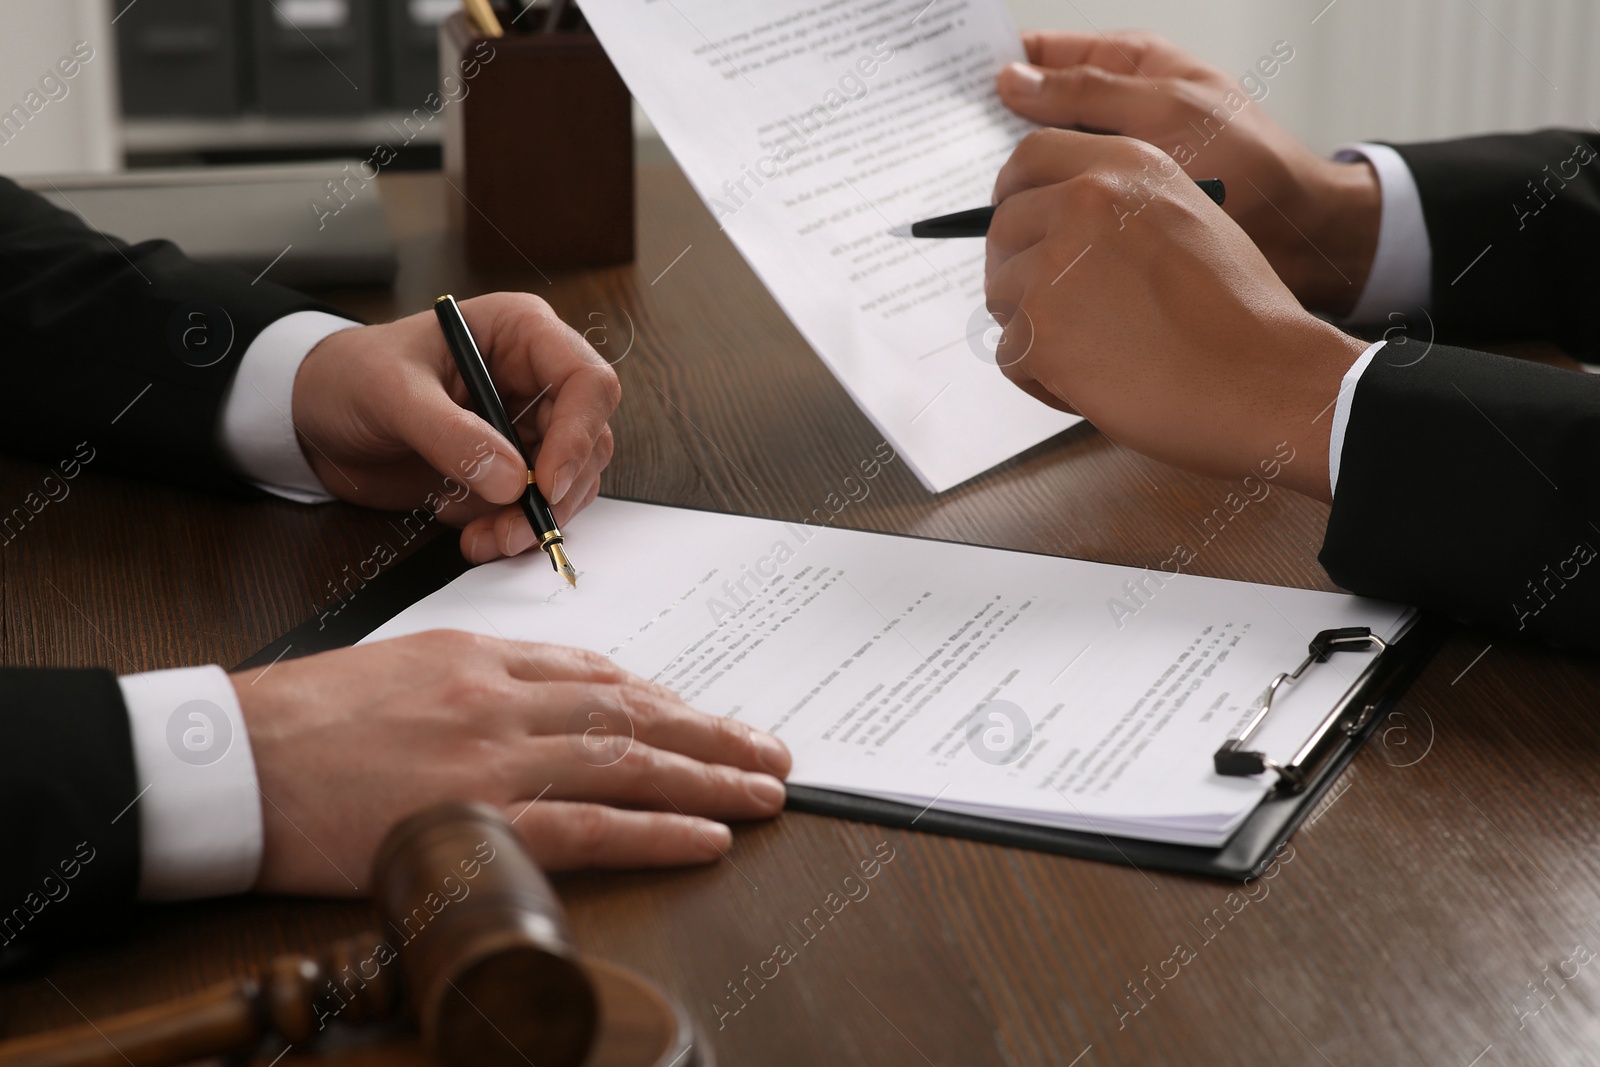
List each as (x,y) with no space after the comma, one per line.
(1359,714)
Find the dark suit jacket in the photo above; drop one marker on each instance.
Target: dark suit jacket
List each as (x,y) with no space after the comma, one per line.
(89,326)
(1470,483)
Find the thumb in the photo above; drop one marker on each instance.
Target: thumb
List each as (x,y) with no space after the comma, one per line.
(1084,96)
(459,444)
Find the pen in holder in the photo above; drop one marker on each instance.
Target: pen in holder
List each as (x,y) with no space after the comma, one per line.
(538,142)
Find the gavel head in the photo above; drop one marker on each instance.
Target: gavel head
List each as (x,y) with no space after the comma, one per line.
(482,942)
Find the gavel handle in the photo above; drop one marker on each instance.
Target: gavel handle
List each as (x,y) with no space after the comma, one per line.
(219,1019)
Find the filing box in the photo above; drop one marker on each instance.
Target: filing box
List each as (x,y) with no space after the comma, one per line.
(412,40)
(180,57)
(316,57)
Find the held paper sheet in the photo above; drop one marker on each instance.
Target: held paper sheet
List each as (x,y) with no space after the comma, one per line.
(810,128)
(1026,687)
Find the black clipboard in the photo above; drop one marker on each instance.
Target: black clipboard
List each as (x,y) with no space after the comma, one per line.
(1245,855)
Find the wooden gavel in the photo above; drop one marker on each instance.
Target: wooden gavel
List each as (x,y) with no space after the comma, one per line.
(475,941)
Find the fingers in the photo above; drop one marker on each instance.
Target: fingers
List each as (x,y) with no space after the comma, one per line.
(492,533)
(657,716)
(1085,96)
(1048,157)
(1020,221)
(1008,288)
(1008,284)
(612,769)
(1051,157)
(531,661)
(1119,52)
(456,442)
(1039,392)
(566,836)
(536,357)
(478,659)
(587,484)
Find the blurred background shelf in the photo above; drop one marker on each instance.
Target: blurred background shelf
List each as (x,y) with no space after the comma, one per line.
(165,141)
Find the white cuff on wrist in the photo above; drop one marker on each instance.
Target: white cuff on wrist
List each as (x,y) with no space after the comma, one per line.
(1401,279)
(200,808)
(256,427)
(1341,412)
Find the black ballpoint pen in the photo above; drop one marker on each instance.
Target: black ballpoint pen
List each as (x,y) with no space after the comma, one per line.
(975,221)
(487,400)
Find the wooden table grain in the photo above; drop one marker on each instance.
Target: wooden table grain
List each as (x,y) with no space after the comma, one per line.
(1442,908)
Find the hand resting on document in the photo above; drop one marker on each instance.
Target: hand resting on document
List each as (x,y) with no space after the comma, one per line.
(597,767)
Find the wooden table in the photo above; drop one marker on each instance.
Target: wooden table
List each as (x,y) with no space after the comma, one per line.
(1443,908)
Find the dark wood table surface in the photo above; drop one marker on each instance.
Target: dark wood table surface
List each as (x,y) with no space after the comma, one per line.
(1442,908)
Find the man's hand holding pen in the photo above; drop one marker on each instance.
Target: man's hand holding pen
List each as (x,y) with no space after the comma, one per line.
(383,417)
(1141,306)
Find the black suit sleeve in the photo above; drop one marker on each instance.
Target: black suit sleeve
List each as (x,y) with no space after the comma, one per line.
(96,350)
(1470,483)
(1514,225)
(96,363)
(69,852)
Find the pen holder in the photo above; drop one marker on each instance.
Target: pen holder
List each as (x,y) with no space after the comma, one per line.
(538,141)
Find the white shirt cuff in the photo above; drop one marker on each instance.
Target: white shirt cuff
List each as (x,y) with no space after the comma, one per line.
(1401,279)
(256,429)
(1341,412)
(200,807)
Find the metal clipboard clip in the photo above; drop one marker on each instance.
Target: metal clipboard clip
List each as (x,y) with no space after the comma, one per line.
(1234,760)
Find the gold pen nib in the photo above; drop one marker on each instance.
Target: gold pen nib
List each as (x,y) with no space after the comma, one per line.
(558,557)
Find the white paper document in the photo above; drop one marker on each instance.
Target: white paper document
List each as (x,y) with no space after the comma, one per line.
(810,128)
(1033,688)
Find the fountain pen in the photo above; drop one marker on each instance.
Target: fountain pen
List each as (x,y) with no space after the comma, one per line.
(480,387)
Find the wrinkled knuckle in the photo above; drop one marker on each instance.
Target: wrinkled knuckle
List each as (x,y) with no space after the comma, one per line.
(1037,142)
(588,828)
(1138,41)
(595,665)
(1091,190)
(642,713)
(1082,78)
(733,735)
(529,304)
(639,763)
(1142,153)
(470,690)
(610,384)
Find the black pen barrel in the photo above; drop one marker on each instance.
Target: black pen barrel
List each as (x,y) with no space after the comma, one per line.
(486,399)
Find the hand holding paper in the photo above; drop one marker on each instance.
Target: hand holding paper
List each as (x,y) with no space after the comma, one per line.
(830,126)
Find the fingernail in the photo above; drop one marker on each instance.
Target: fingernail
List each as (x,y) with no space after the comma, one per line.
(520,539)
(475,548)
(715,832)
(1025,78)
(564,476)
(500,478)
(772,753)
(765,790)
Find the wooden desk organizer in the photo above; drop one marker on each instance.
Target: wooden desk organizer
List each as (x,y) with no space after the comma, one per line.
(538,140)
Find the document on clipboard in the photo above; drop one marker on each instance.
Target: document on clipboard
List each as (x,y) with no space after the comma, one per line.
(954,679)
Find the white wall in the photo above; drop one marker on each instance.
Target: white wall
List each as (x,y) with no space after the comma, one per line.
(1394,69)
(78,129)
